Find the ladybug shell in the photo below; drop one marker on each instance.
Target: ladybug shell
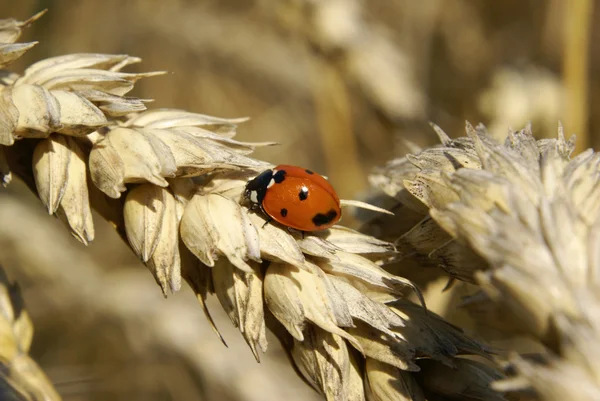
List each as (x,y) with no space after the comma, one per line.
(301,199)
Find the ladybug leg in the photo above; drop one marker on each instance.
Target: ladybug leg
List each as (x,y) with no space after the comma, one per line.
(267,222)
(265,214)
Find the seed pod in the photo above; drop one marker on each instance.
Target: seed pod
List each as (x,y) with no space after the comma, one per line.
(60,173)
(208,235)
(151,224)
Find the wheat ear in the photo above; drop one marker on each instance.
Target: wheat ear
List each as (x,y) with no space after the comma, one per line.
(521,219)
(171,181)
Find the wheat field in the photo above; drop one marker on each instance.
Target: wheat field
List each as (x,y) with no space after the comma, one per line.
(132,269)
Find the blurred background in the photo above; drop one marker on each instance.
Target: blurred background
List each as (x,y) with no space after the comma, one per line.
(342,85)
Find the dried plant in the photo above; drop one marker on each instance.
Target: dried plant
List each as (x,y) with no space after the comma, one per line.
(170,181)
(21,379)
(521,220)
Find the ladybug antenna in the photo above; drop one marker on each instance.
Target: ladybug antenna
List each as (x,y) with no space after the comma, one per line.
(364,205)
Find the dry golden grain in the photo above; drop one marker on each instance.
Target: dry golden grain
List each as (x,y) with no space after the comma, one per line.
(531,215)
(181,175)
(20,377)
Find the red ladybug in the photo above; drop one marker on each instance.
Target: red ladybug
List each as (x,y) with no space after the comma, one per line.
(295,197)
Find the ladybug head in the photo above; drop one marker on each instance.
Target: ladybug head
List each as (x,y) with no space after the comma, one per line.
(256,188)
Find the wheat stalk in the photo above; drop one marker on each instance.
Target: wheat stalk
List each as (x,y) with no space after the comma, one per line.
(521,220)
(170,181)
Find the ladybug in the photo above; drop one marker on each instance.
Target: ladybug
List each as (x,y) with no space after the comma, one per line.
(295,197)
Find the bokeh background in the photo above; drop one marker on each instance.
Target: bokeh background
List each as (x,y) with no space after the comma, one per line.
(343,86)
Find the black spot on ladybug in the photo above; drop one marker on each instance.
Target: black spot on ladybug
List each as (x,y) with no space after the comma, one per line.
(303,194)
(279,176)
(308,172)
(283,212)
(321,219)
